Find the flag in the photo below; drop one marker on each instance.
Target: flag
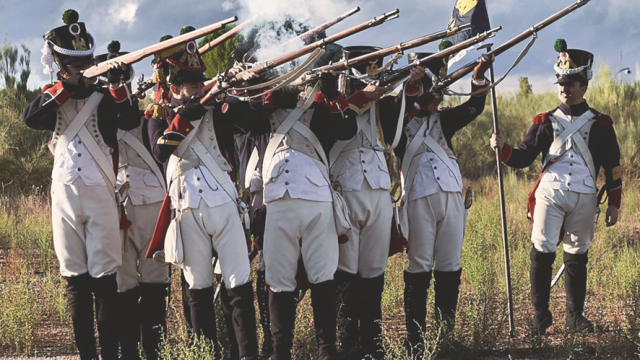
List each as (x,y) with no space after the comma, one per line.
(472,12)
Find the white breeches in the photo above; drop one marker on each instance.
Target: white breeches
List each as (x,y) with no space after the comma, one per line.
(136,267)
(367,250)
(295,228)
(208,229)
(86,224)
(557,207)
(436,232)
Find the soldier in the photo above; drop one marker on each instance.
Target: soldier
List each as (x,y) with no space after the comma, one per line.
(575,141)
(360,167)
(433,216)
(84,120)
(297,189)
(142,283)
(196,145)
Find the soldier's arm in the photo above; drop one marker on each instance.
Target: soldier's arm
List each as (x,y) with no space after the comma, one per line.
(610,160)
(334,117)
(241,117)
(536,141)
(41,113)
(462,115)
(167,134)
(127,112)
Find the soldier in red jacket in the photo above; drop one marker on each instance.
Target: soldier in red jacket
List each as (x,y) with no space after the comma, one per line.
(575,142)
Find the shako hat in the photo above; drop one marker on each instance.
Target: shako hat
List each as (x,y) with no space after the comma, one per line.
(572,64)
(186,65)
(436,68)
(113,51)
(67,44)
(352,52)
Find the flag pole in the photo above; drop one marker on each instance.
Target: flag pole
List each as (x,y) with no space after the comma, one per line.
(503,215)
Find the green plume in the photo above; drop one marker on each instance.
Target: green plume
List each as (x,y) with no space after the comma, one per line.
(165,37)
(444,44)
(560,45)
(114,47)
(70,17)
(186,29)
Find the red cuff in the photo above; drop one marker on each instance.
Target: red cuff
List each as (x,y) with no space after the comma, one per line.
(179,125)
(119,94)
(336,105)
(58,92)
(506,153)
(615,197)
(413,90)
(359,102)
(475,88)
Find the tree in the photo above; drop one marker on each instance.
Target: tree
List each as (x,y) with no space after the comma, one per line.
(525,89)
(15,66)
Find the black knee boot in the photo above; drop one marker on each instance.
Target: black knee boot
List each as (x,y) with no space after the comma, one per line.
(262,293)
(129,324)
(575,283)
(540,275)
(323,302)
(203,317)
(282,308)
(415,310)
(446,285)
(371,317)
(244,320)
(80,304)
(348,302)
(184,286)
(105,290)
(227,312)
(153,312)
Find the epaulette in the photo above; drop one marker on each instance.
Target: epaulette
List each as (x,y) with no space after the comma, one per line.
(46,87)
(336,105)
(541,118)
(158,111)
(413,112)
(604,120)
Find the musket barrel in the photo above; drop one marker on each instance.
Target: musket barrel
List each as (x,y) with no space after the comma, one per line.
(463,71)
(135,56)
(224,37)
(323,27)
(298,53)
(343,65)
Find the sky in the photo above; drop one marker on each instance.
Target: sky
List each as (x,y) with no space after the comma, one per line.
(608,28)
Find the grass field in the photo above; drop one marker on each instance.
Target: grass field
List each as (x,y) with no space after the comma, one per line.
(34,320)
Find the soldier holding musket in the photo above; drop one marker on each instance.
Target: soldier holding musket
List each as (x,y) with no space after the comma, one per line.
(575,142)
(433,216)
(196,143)
(84,120)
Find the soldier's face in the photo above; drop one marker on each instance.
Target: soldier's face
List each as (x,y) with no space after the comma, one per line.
(571,92)
(76,67)
(188,90)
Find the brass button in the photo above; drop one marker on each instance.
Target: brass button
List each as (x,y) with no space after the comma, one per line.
(79,155)
(200,191)
(212,138)
(79,169)
(210,128)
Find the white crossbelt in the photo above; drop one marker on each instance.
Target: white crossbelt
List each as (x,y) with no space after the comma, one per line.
(139,147)
(557,147)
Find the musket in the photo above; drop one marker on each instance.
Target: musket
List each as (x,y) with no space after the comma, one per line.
(463,71)
(394,77)
(304,36)
(214,88)
(224,37)
(343,65)
(135,56)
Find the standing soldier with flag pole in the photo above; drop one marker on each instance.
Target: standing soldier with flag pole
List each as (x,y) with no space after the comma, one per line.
(575,141)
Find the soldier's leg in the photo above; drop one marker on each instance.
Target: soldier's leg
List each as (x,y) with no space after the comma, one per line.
(422,235)
(155,279)
(198,272)
(262,294)
(374,252)
(320,257)
(447,253)
(105,290)
(548,218)
(227,312)
(348,296)
(128,297)
(228,238)
(69,243)
(580,228)
(281,254)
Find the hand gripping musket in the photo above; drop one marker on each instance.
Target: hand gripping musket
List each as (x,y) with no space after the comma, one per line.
(346,64)
(463,71)
(304,36)
(393,78)
(135,56)
(214,88)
